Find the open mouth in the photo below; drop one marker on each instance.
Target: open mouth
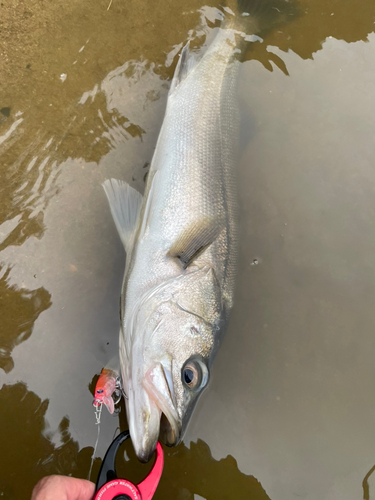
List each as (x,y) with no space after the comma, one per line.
(159,385)
(167,433)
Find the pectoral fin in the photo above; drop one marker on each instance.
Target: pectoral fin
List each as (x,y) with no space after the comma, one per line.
(125,203)
(195,239)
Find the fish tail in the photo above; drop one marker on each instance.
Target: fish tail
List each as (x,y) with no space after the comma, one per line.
(257,17)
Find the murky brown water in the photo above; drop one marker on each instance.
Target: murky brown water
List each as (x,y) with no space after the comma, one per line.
(82,96)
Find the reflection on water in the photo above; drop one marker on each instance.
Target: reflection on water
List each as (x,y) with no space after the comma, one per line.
(193,471)
(82,96)
(34,454)
(31,452)
(19,309)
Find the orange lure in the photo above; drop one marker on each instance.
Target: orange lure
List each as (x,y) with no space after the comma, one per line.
(106,385)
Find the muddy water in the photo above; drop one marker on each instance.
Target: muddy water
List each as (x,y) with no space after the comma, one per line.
(290,409)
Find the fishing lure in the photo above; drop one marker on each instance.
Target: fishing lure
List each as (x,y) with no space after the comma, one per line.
(108,390)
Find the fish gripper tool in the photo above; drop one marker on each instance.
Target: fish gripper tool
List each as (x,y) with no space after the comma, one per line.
(110,487)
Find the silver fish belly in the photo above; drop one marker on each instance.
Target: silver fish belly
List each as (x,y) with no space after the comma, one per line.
(181,243)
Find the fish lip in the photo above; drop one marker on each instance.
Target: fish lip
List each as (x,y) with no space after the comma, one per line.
(145,455)
(144,424)
(146,406)
(159,385)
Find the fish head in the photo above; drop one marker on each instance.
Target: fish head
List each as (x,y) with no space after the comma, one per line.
(176,333)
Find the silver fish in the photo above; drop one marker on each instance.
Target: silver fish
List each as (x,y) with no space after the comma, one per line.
(181,243)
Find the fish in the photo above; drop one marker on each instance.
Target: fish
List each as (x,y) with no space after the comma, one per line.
(106,386)
(181,242)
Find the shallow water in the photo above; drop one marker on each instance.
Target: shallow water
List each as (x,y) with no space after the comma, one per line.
(82,95)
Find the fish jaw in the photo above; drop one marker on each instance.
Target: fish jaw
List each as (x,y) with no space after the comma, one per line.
(159,384)
(152,403)
(144,422)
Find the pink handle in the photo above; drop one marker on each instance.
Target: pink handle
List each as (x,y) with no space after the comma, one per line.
(148,486)
(143,491)
(118,487)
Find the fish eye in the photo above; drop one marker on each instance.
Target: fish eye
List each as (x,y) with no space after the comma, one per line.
(99,391)
(194,374)
(190,376)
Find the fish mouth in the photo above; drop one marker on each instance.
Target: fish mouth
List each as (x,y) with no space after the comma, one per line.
(168,433)
(144,423)
(152,411)
(159,385)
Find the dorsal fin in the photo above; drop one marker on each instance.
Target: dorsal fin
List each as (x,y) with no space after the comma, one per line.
(185,64)
(125,203)
(195,239)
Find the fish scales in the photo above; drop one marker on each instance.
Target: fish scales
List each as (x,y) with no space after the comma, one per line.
(194,159)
